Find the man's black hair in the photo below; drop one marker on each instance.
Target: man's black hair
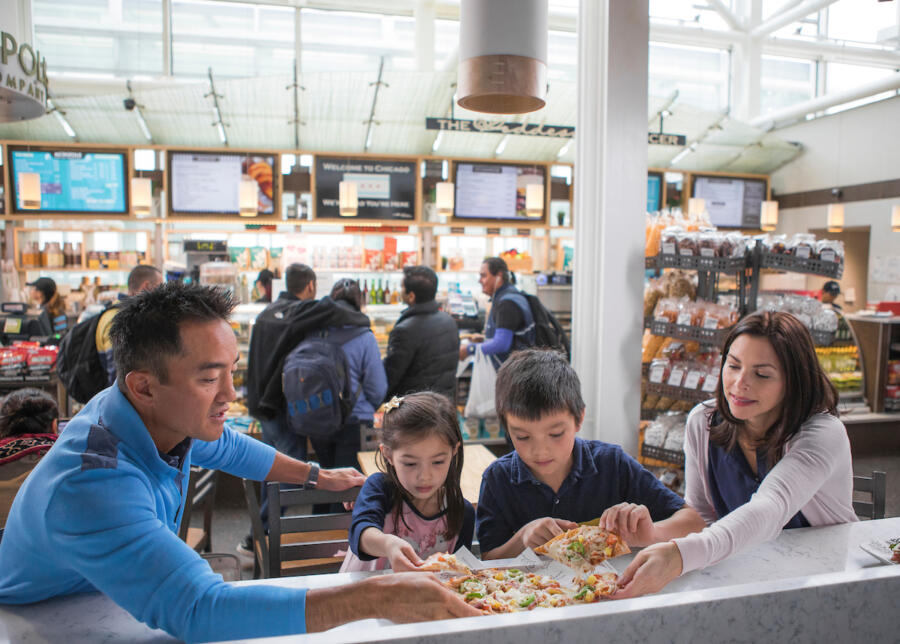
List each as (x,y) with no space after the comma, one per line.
(497,265)
(297,277)
(832,287)
(534,382)
(140,274)
(422,281)
(146,330)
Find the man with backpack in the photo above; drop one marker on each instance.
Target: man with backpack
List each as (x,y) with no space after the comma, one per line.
(85,363)
(517,320)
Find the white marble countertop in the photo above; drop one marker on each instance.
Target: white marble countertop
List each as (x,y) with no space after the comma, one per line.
(808,584)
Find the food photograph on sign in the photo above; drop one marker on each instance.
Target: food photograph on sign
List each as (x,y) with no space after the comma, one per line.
(260,170)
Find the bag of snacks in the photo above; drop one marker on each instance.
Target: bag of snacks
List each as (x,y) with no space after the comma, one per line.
(802,246)
(709,242)
(687,244)
(776,244)
(660,369)
(831,250)
(667,310)
(668,244)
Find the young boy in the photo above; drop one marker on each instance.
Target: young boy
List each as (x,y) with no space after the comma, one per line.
(553,480)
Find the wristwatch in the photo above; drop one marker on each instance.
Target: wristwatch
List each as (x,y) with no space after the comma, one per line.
(312,479)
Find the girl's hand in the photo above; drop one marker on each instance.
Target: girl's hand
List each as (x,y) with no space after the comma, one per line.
(540,531)
(631,522)
(652,568)
(402,556)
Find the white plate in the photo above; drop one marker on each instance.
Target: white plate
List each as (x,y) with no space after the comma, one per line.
(879,549)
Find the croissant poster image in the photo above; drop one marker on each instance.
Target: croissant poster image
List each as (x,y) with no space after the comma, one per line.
(260,169)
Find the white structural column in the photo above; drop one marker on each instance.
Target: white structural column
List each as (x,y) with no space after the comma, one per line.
(610,200)
(746,65)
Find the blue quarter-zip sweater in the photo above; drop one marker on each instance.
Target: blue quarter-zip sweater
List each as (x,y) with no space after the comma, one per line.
(101,512)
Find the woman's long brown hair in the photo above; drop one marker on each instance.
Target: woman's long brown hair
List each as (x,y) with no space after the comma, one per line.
(56,305)
(807,389)
(419,416)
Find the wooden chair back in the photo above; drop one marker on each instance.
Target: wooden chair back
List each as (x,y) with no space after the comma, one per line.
(876,487)
(200,497)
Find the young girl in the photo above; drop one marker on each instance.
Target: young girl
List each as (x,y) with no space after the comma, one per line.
(767,454)
(415,508)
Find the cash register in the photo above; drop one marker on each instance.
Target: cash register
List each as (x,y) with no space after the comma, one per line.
(17,324)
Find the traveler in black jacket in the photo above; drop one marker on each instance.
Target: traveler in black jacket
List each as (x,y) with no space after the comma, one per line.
(423,348)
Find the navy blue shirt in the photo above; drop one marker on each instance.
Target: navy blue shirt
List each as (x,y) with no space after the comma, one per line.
(375,503)
(732,482)
(602,476)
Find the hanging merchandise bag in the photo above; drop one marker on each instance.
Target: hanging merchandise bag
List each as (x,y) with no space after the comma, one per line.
(481,391)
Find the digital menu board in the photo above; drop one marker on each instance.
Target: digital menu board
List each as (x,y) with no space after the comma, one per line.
(209,182)
(385,188)
(732,202)
(72,181)
(495,191)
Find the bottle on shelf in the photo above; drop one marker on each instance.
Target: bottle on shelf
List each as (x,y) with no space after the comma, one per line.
(395,296)
(379,294)
(365,292)
(76,256)
(386,296)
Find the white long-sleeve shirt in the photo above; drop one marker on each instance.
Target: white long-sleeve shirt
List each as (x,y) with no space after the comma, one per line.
(814,476)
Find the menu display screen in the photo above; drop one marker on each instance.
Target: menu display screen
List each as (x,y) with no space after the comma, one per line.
(732,202)
(385,188)
(210,183)
(72,181)
(495,191)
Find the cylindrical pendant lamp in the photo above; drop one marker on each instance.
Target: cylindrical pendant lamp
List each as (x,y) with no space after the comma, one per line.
(768,215)
(534,200)
(29,190)
(348,202)
(248,198)
(696,206)
(895,218)
(502,56)
(141,196)
(444,197)
(835,217)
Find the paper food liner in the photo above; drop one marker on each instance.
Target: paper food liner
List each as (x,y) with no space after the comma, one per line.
(529,561)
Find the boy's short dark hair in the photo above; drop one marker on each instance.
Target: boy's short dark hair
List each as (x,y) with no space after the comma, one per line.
(297,277)
(147,328)
(534,382)
(422,281)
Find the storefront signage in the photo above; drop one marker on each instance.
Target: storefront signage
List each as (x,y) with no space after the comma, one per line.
(385,188)
(499,127)
(196,245)
(23,80)
(492,126)
(659,138)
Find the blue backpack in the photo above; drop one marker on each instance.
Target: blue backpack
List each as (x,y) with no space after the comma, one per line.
(316,384)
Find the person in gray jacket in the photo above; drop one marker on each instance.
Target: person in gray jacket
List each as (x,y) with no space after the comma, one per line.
(423,348)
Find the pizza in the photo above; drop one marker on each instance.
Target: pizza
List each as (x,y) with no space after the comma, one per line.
(444,562)
(894,546)
(495,590)
(584,547)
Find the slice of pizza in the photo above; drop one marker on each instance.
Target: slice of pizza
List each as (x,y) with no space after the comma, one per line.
(595,587)
(444,562)
(894,546)
(584,547)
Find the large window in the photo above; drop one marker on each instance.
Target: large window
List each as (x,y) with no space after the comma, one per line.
(119,37)
(699,74)
(234,39)
(786,81)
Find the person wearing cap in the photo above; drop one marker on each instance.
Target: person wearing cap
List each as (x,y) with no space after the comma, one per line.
(830,291)
(263,286)
(52,319)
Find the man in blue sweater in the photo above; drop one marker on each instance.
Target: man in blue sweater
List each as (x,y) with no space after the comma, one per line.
(101,510)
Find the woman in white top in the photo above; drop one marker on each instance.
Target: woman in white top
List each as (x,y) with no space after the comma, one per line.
(768,453)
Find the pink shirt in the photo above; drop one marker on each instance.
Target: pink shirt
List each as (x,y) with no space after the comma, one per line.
(814,476)
(426,536)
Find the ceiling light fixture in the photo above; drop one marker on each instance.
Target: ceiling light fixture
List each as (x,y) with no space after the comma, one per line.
(348,201)
(29,190)
(248,196)
(768,215)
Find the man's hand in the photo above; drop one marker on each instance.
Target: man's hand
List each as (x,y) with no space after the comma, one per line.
(402,555)
(631,522)
(540,531)
(340,479)
(401,598)
(652,568)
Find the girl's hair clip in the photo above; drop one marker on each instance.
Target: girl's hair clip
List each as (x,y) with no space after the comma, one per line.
(393,403)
